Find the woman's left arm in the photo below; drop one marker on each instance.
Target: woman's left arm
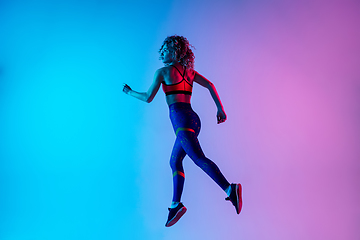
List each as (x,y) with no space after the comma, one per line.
(150,94)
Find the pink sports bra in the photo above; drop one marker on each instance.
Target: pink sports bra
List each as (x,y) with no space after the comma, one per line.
(182,87)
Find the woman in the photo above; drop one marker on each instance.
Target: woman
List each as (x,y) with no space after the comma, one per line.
(177,78)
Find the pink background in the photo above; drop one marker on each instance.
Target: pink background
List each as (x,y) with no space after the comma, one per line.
(81,160)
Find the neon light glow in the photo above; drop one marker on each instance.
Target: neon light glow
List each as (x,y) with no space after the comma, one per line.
(79,159)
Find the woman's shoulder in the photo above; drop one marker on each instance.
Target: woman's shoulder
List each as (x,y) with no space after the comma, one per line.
(192,72)
(163,70)
(167,70)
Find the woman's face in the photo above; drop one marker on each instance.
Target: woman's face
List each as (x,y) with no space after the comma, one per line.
(166,55)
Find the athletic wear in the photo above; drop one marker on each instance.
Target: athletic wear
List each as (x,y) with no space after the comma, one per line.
(175,214)
(183,87)
(174,204)
(228,190)
(235,197)
(186,124)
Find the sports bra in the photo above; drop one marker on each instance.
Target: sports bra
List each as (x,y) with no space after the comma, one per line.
(183,87)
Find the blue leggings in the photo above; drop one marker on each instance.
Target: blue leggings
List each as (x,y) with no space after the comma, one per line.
(186,124)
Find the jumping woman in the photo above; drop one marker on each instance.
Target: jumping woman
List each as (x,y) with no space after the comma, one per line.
(177,78)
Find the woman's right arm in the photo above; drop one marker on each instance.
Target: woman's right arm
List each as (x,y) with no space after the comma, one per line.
(221,116)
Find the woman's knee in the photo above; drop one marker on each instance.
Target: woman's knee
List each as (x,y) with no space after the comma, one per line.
(203,162)
(176,165)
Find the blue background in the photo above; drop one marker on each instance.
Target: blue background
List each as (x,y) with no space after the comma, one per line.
(81,160)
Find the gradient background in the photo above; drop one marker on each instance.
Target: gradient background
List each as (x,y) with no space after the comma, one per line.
(81,160)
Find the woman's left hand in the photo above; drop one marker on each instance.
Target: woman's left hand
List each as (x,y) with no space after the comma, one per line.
(221,116)
(126,88)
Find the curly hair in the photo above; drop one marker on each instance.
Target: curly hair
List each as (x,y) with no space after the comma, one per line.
(181,50)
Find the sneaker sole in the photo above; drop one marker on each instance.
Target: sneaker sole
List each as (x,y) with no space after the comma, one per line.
(239,198)
(177,216)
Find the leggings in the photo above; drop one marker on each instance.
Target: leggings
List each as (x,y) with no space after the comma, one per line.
(186,124)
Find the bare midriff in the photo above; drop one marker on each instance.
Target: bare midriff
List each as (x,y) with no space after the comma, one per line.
(170,99)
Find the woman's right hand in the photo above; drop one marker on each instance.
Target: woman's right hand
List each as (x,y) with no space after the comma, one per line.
(126,88)
(221,116)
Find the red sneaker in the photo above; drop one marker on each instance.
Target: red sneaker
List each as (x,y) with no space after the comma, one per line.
(175,214)
(235,197)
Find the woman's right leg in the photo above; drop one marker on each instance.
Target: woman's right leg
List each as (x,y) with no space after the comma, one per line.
(191,146)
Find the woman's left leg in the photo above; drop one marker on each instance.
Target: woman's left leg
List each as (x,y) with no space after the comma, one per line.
(176,165)
(177,209)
